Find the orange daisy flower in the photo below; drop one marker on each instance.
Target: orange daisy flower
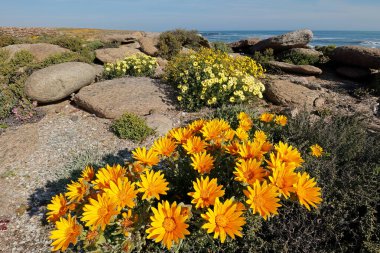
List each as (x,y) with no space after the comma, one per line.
(206,192)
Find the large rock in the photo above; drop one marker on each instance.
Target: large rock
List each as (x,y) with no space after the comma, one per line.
(148,45)
(286,93)
(111,55)
(353,72)
(295,39)
(59,81)
(243,46)
(40,51)
(122,37)
(357,56)
(292,68)
(110,99)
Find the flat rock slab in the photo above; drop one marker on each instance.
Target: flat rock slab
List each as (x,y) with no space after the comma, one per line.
(40,51)
(299,69)
(110,99)
(357,56)
(295,39)
(286,93)
(353,72)
(56,82)
(111,55)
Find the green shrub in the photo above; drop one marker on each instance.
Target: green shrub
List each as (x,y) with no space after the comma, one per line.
(326,50)
(93,45)
(213,78)
(171,42)
(349,174)
(221,46)
(135,65)
(264,57)
(75,44)
(299,58)
(22,58)
(63,57)
(130,126)
(6,40)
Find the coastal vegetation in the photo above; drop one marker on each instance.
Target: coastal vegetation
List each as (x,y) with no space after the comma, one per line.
(204,178)
(132,127)
(213,78)
(249,160)
(135,65)
(171,42)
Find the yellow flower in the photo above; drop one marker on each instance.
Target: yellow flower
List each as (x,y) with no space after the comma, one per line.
(225,219)
(260,136)
(168,224)
(57,208)
(202,162)
(108,174)
(179,98)
(149,158)
(249,171)
(307,193)
(100,212)
(123,193)
(245,122)
(263,199)
(195,64)
(250,149)
(241,134)
(281,120)
(88,173)
(206,192)
(232,99)
(67,231)
(214,130)
(77,190)
(152,185)
(316,150)
(164,146)
(284,178)
(288,154)
(194,145)
(266,117)
(197,125)
(181,135)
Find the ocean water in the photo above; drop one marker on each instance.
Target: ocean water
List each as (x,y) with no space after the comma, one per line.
(321,38)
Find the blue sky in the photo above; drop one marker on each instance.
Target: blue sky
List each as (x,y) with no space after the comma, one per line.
(159,15)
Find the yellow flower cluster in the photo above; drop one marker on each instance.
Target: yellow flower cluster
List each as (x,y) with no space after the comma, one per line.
(206,155)
(210,78)
(135,65)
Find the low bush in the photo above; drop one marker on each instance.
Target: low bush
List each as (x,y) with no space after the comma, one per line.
(299,58)
(135,65)
(171,42)
(264,57)
(213,78)
(221,46)
(62,58)
(200,187)
(131,127)
(326,50)
(349,174)
(6,40)
(75,44)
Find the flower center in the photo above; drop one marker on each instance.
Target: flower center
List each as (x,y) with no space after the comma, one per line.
(221,220)
(205,195)
(169,224)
